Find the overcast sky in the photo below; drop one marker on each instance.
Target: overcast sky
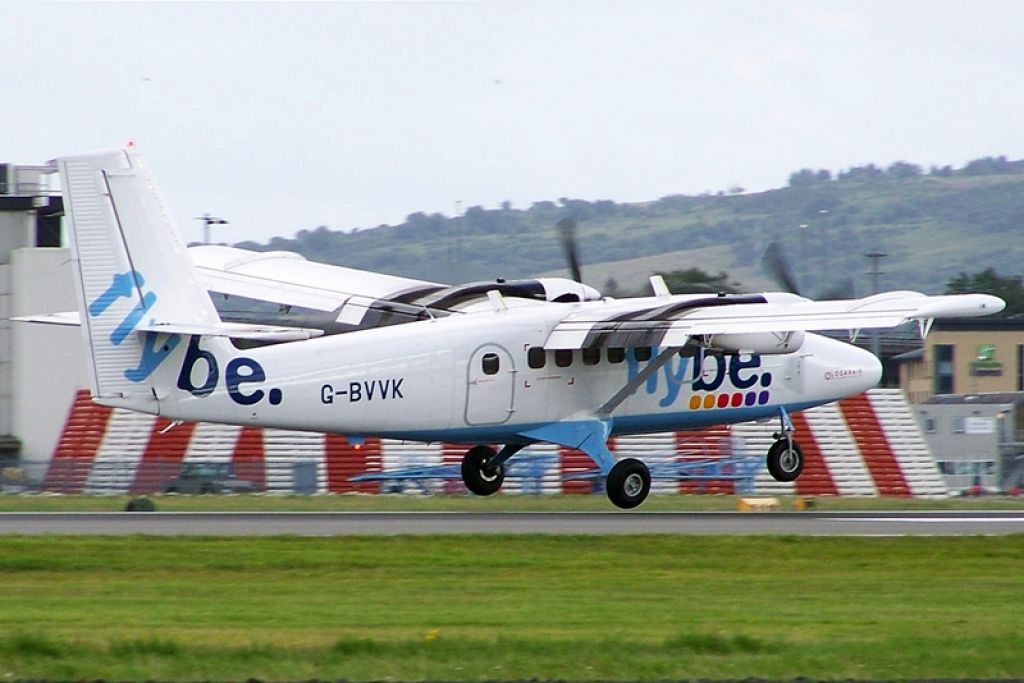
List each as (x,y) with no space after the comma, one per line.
(280,117)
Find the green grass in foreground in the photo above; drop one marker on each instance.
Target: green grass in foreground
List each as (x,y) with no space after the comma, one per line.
(475,608)
(469,503)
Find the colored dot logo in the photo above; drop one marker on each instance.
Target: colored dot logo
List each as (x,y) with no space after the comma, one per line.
(736,399)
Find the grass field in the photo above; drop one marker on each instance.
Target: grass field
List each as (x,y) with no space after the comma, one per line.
(479,608)
(468,503)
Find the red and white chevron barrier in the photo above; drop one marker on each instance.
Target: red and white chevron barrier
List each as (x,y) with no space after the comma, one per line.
(867,445)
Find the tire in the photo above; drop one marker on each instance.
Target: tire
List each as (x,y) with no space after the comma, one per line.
(785,464)
(140,505)
(628,483)
(477,476)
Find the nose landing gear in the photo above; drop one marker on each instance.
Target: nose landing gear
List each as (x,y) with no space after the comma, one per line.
(785,460)
(785,457)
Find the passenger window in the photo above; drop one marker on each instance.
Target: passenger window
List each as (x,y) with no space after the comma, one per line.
(536,357)
(642,353)
(616,354)
(591,356)
(491,364)
(563,358)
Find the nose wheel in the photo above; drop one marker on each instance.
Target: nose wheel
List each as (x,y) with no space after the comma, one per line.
(478,474)
(785,460)
(628,483)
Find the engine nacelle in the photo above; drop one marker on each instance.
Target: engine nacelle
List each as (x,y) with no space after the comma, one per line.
(764,343)
(564,289)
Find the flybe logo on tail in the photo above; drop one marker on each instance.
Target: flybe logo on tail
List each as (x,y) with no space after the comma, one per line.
(124,286)
(240,374)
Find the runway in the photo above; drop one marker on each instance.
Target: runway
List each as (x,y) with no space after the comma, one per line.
(558,523)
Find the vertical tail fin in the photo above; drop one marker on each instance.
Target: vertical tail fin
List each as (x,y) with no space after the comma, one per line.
(131,269)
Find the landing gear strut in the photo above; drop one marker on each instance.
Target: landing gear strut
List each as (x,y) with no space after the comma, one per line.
(628,483)
(785,457)
(478,474)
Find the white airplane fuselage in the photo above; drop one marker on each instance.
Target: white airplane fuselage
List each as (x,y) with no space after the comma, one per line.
(490,365)
(468,378)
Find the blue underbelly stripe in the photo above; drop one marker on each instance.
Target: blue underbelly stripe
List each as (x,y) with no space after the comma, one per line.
(627,424)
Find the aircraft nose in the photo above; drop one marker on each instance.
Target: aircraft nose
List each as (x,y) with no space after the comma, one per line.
(872,368)
(854,370)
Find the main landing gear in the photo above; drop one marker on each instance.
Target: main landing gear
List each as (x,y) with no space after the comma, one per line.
(628,483)
(785,457)
(479,474)
(483,472)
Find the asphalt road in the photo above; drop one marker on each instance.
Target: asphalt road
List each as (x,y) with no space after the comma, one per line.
(560,523)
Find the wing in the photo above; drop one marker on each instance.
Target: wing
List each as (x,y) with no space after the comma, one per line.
(274,295)
(289,280)
(670,323)
(283,288)
(280,289)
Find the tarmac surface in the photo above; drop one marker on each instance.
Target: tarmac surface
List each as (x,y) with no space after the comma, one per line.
(810,523)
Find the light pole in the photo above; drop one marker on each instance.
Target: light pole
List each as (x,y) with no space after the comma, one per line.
(825,264)
(803,258)
(209,220)
(875,255)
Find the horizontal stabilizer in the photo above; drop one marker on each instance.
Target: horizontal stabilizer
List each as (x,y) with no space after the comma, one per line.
(269,333)
(67,318)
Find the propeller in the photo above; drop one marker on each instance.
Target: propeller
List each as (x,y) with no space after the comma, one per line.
(567,234)
(693,280)
(777,264)
(843,289)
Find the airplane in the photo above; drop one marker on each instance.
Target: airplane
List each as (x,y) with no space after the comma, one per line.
(512,363)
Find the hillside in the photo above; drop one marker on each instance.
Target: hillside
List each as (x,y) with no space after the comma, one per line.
(930,225)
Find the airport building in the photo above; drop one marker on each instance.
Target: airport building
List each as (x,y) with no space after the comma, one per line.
(976,439)
(40,368)
(967,386)
(965,357)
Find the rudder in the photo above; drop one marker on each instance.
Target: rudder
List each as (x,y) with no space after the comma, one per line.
(131,269)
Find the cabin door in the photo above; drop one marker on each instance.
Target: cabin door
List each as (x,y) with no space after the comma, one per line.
(491,381)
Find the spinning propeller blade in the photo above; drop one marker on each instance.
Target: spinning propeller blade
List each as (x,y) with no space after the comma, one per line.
(775,262)
(567,233)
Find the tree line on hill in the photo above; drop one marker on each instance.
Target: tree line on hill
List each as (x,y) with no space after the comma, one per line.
(932,225)
(900,170)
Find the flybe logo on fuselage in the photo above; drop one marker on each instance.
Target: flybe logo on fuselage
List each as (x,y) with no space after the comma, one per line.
(715,380)
(240,371)
(240,374)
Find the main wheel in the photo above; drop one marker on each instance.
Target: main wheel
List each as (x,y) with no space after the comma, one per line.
(478,477)
(628,483)
(785,463)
